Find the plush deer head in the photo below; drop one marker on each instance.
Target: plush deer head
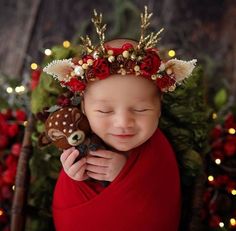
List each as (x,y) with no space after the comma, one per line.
(65,128)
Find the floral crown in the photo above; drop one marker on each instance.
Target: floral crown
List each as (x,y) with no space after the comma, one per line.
(102,61)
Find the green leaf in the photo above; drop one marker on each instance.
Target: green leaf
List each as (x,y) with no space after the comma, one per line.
(220,98)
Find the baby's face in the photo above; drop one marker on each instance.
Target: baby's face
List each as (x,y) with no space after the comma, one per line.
(123,110)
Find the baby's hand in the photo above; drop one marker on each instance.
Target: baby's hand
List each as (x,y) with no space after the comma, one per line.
(76,170)
(104,165)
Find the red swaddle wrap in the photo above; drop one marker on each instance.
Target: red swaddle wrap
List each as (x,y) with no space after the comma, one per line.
(145,196)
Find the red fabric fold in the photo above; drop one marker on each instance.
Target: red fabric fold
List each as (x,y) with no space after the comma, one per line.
(145,196)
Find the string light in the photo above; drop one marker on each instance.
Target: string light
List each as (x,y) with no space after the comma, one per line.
(218,161)
(19,89)
(9,90)
(171,53)
(221,224)
(233,192)
(13,187)
(66,44)
(1,212)
(231,131)
(233,222)
(210,178)
(48,52)
(214,116)
(34,66)
(25,123)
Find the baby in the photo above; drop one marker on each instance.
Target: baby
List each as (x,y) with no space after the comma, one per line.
(124,112)
(121,82)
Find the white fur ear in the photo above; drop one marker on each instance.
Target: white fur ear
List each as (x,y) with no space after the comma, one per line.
(181,69)
(60,69)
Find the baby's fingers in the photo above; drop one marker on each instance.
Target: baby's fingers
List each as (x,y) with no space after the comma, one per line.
(77,168)
(70,159)
(66,154)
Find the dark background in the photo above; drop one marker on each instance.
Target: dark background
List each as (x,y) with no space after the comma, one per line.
(202,29)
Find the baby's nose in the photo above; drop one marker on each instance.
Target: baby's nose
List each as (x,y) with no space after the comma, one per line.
(124,120)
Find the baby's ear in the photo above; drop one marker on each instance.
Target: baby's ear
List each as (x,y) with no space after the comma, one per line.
(44,140)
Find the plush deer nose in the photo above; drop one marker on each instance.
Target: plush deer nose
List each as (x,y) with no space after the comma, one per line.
(76,138)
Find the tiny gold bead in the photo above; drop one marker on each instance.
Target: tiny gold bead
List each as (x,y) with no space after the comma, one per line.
(125,54)
(110,52)
(136,68)
(90,62)
(80,62)
(111,59)
(85,66)
(154,77)
(133,56)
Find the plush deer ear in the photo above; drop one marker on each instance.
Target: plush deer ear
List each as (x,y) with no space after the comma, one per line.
(44,140)
(55,134)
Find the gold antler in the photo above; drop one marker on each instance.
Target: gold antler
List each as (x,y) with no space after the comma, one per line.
(87,43)
(100,29)
(145,22)
(150,40)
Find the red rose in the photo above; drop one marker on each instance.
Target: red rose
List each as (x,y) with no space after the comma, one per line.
(13,129)
(75,85)
(11,161)
(101,68)
(63,101)
(3,141)
(229,121)
(150,64)
(9,176)
(164,82)
(214,221)
(230,148)
(216,132)
(15,149)
(6,192)
(20,115)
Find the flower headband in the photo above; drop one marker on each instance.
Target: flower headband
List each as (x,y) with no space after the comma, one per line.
(98,63)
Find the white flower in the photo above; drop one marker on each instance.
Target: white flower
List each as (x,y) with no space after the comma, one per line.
(60,69)
(181,69)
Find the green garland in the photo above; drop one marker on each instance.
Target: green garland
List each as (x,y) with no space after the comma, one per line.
(185,121)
